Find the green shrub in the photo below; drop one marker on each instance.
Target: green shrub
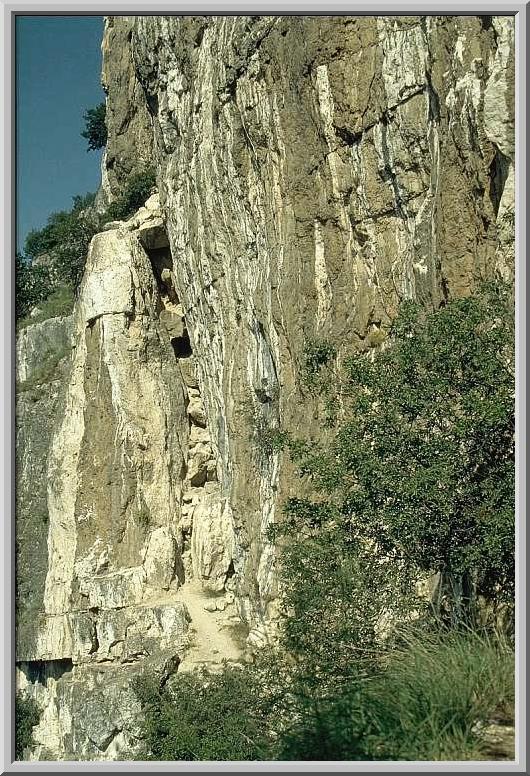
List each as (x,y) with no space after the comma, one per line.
(260,416)
(336,591)
(203,716)
(59,225)
(418,478)
(55,256)
(26,717)
(95,127)
(33,283)
(73,233)
(137,190)
(317,354)
(426,703)
(425,698)
(422,467)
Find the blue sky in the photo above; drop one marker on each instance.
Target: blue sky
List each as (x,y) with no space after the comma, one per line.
(58,66)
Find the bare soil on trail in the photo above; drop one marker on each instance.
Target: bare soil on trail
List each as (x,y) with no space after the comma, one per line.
(210,637)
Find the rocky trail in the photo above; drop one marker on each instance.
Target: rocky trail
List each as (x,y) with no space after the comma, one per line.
(211,638)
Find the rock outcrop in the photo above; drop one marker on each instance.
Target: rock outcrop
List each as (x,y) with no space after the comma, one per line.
(129,470)
(312,173)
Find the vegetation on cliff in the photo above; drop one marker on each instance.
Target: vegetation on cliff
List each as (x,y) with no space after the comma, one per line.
(95,130)
(422,465)
(49,271)
(416,484)
(26,717)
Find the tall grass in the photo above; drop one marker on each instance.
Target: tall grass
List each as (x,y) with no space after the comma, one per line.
(429,702)
(430,698)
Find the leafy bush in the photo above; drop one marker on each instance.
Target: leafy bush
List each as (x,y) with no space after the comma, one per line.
(423,466)
(26,717)
(203,716)
(60,302)
(45,240)
(418,477)
(137,190)
(95,127)
(336,594)
(428,697)
(261,419)
(316,355)
(55,256)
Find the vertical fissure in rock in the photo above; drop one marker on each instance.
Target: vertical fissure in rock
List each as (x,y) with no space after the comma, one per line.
(498,174)
(201,503)
(388,173)
(433,101)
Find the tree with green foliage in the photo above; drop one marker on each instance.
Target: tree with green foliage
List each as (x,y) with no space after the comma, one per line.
(55,256)
(64,240)
(421,467)
(417,478)
(95,127)
(136,191)
(33,284)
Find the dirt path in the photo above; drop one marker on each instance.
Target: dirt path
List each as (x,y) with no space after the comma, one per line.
(211,641)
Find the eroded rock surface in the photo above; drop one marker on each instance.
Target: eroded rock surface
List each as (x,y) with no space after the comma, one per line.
(128,444)
(313,172)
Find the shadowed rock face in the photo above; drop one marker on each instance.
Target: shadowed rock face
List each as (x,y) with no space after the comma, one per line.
(43,355)
(312,173)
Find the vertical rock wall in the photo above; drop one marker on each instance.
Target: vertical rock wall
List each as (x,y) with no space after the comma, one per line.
(115,470)
(313,172)
(43,354)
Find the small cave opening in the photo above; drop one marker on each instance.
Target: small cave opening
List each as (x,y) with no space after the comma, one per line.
(182,345)
(162,264)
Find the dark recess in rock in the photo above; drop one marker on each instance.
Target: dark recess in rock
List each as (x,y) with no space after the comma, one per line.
(37,671)
(498,174)
(182,346)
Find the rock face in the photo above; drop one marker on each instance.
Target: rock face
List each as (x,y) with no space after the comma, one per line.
(312,173)
(43,354)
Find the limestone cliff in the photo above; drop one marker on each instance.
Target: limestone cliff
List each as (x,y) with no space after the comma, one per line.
(311,172)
